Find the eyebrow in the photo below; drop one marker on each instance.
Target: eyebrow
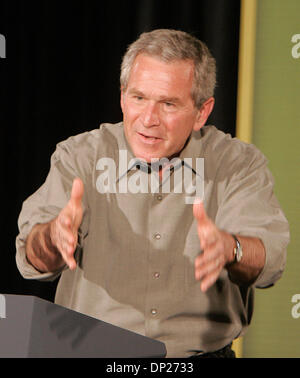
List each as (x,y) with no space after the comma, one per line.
(134,91)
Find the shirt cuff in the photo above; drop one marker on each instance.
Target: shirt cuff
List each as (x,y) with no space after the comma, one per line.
(274,265)
(27,270)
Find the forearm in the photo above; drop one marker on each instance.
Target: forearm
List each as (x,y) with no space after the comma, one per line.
(40,251)
(248,269)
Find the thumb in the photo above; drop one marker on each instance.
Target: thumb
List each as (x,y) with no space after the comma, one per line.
(199,212)
(77,192)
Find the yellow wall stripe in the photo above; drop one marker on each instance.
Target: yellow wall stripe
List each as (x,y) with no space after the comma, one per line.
(246,70)
(245,89)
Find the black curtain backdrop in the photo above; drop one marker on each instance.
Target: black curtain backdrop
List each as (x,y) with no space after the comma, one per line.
(61,77)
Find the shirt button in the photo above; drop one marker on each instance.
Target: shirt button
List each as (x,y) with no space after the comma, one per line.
(157,236)
(153,311)
(156,275)
(159,197)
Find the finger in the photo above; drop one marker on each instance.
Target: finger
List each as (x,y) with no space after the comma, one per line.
(66,237)
(209,274)
(65,220)
(66,243)
(208,235)
(207,238)
(69,260)
(77,192)
(67,253)
(206,228)
(209,280)
(199,212)
(210,254)
(208,268)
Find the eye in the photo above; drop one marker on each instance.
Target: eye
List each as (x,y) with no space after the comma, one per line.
(137,99)
(169,105)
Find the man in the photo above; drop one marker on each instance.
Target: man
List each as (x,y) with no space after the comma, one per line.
(147,260)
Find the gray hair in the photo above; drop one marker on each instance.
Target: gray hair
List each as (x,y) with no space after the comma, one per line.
(169,45)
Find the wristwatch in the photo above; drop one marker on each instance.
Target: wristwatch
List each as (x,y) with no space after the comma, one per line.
(238,251)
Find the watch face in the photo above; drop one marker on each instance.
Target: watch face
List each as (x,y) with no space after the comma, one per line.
(239,254)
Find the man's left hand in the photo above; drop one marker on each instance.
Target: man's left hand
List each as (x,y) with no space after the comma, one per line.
(216,245)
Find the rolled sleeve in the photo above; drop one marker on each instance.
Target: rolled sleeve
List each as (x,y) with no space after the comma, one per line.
(44,205)
(250,208)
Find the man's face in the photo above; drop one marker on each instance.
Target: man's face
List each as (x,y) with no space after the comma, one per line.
(158,110)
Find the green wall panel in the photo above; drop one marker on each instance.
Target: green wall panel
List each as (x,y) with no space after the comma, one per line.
(275,329)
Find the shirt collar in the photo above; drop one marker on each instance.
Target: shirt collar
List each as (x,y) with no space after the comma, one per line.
(187,157)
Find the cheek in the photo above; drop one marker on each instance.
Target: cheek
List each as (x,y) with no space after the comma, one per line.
(178,128)
(130,114)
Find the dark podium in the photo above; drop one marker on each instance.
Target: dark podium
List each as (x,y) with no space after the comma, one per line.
(33,327)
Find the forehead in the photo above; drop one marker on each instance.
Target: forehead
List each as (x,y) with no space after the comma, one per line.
(151,71)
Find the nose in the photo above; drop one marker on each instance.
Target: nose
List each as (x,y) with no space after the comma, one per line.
(150,115)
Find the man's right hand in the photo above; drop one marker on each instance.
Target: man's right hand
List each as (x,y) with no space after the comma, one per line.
(64,228)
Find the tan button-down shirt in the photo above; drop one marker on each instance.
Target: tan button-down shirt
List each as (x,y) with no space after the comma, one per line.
(136,249)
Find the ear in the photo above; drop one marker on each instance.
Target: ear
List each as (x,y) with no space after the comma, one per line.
(203,113)
(122,98)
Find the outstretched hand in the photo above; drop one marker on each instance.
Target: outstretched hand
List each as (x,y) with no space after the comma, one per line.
(64,228)
(216,248)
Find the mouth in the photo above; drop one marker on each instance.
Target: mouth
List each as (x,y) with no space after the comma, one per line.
(149,139)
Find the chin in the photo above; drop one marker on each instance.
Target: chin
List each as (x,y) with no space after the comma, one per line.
(147,157)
